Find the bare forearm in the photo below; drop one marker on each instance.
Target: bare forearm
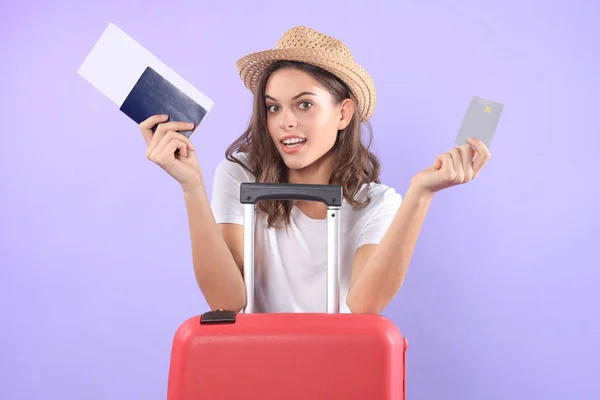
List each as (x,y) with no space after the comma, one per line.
(217,274)
(385,270)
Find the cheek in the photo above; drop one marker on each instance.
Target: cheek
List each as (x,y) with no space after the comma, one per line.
(324,127)
(272,125)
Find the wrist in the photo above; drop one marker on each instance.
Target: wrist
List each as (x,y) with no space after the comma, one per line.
(419,192)
(192,189)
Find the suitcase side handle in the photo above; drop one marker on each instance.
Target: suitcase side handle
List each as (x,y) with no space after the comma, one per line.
(331,195)
(251,193)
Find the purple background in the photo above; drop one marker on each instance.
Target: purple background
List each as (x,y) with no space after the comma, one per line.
(501,298)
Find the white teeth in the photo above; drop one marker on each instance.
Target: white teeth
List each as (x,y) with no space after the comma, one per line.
(294,141)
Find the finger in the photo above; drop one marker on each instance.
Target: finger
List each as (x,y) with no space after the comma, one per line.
(458,165)
(437,164)
(171,135)
(483,155)
(174,126)
(183,151)
(169,152)
(466,152)
(162,130)
(171,148)
(149,123)
(447,170)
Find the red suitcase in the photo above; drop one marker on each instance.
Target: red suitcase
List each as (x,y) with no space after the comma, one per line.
(286,356)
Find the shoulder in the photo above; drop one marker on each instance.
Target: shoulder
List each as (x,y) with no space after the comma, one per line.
(371,222)
(379,195)
(225,203)
(233,170)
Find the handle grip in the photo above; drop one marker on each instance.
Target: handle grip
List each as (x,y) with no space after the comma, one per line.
(251,193)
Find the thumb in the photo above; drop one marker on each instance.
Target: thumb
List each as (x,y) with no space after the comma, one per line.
(438,163)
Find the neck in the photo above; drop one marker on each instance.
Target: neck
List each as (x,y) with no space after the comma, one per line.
(318,173)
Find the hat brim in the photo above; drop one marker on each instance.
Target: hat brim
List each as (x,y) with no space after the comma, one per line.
(358,80)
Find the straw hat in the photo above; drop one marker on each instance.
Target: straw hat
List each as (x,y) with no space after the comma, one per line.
(312,47)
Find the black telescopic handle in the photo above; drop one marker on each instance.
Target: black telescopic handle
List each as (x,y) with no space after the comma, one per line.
(251,193)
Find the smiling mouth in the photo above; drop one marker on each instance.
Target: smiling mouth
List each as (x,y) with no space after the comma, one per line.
(291,143)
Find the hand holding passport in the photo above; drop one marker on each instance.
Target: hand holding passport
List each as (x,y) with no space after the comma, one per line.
(166,108)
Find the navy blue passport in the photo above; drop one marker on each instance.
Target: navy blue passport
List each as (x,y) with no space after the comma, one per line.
(153,94)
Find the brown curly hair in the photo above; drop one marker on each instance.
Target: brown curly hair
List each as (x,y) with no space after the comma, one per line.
(353,163)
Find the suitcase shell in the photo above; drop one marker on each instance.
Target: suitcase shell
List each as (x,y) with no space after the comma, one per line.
(227,355)
(289,356)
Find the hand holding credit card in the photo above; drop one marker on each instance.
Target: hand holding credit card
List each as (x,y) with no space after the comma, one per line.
(139,83)
(464,162)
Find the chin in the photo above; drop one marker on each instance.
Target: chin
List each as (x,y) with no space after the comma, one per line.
(296,162)
(299,162)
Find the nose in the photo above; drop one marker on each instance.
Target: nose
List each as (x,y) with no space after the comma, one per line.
(288,120)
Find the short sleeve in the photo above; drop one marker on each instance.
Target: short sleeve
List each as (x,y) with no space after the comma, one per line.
(225,202)
(381,219)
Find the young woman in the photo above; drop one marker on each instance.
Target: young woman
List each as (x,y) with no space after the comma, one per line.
(310,100)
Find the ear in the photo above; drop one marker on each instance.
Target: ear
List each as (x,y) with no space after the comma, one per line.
(346,113)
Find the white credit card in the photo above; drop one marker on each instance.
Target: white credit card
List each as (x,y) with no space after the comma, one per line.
(480,121)
(139,83)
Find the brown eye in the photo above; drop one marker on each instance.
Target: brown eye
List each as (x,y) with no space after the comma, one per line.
(306,104)
(270,108)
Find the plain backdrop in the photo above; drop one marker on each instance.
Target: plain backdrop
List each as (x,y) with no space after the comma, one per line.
(501,299)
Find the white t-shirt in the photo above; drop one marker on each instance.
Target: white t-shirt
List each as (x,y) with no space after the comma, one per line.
(290,267)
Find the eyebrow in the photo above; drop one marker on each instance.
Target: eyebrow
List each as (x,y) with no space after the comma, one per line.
(294,98)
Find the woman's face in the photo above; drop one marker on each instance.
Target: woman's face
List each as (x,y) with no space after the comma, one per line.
(302,117)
